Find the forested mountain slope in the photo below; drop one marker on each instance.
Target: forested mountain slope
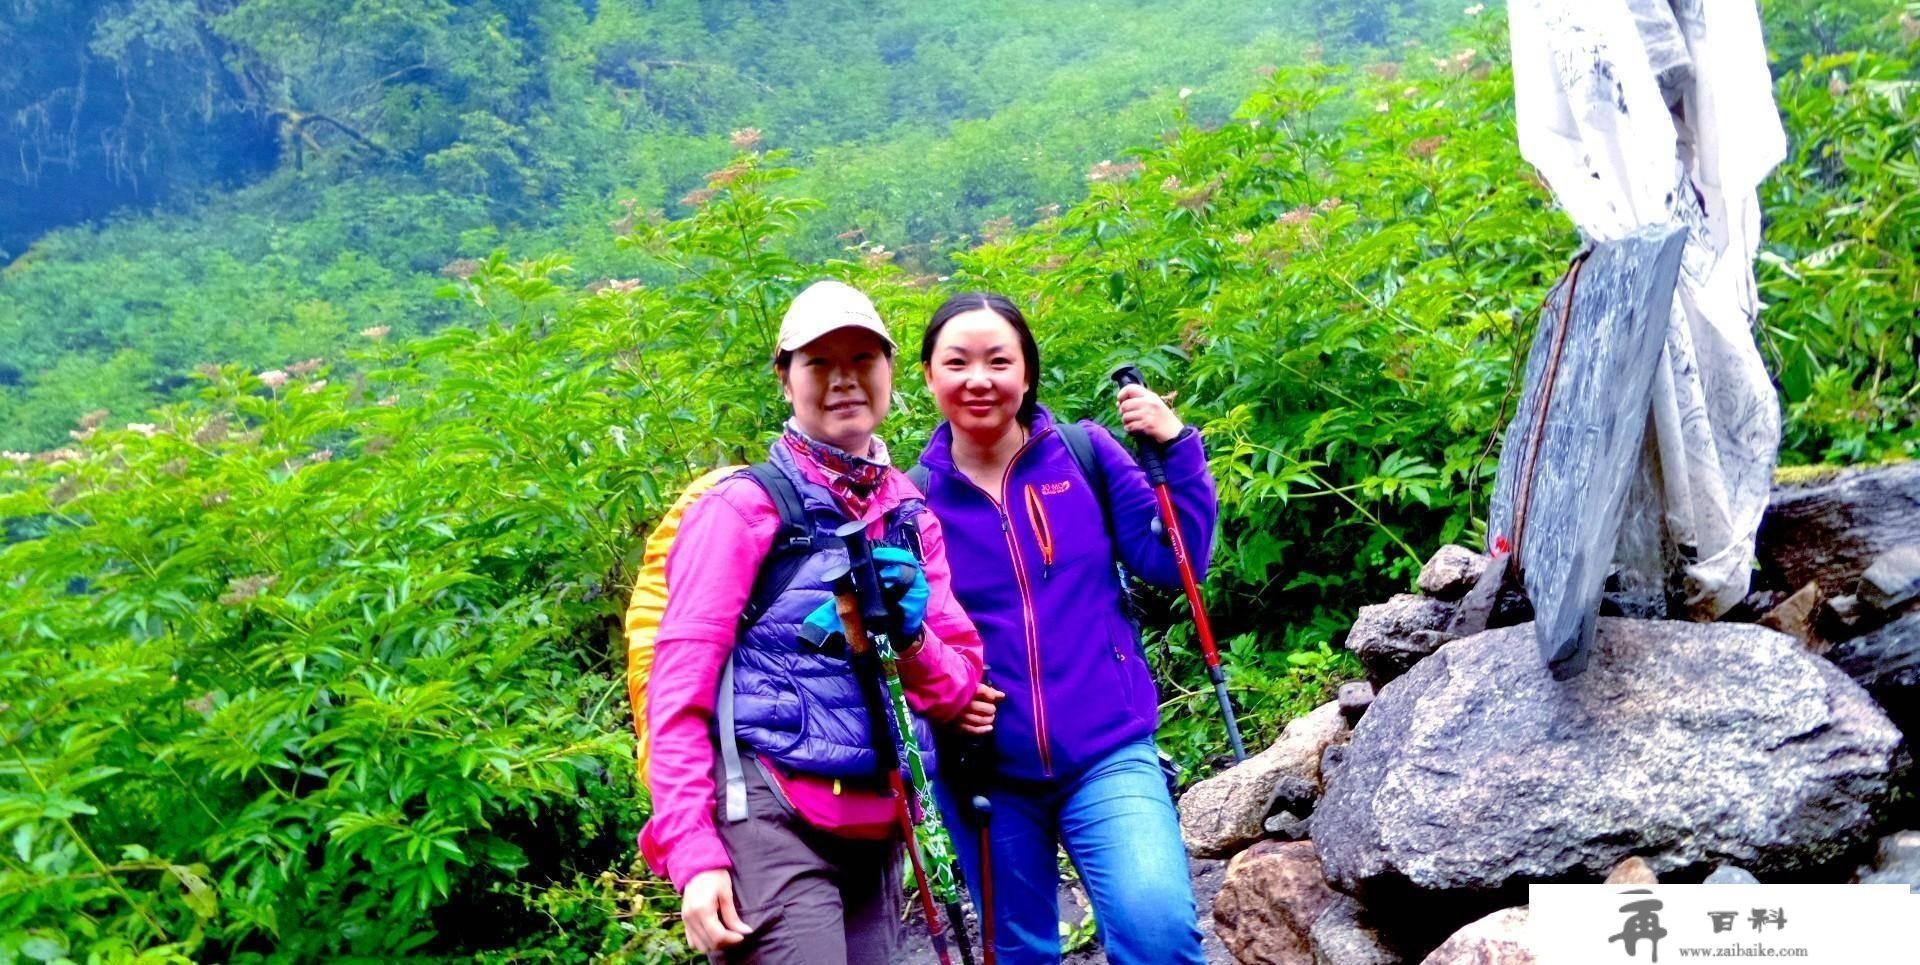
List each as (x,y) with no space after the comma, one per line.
(400,138)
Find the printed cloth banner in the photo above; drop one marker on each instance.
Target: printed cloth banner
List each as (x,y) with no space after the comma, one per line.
(1644,112)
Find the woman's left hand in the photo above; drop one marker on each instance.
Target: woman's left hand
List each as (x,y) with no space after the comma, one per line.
(977,719)
(1144,412)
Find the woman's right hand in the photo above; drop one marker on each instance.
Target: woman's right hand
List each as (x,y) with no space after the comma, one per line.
(707,908)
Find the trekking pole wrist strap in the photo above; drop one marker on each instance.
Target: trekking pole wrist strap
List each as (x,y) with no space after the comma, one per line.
(913,647)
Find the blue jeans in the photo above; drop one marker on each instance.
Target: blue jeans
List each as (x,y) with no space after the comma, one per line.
(1120,829)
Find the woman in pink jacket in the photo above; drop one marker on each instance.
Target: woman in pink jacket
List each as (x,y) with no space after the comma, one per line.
(792,856)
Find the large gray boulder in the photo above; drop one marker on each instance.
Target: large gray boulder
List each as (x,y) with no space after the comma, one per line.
(1228,811)
(1832,530)
(1686,744)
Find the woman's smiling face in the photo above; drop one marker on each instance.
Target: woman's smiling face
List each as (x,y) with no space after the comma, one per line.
(977,374)
(840,386)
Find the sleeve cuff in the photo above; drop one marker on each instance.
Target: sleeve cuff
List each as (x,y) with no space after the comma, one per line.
(698,859)
(926,662)
(1186,456)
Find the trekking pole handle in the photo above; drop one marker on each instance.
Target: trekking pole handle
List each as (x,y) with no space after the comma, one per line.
(976,760)
(865,576)
(1152,454)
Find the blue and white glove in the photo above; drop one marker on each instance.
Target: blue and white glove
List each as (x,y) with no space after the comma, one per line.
(905,585)
(822,630)
(902,582)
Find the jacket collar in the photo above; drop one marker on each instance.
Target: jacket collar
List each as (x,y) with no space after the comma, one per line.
(938,456)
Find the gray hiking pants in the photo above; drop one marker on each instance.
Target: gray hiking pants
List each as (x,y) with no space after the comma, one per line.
(812,898)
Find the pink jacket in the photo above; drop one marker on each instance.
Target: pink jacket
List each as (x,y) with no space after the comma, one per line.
(710,570)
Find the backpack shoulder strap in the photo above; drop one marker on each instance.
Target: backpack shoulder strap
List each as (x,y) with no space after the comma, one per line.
(792,544)
(734,785)
(921,476)
(1080,447)
(786,500)
(910,530)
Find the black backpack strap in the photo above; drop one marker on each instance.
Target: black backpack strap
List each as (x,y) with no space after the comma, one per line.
(910,528)
(792,544)
(922,477)
(1080,447)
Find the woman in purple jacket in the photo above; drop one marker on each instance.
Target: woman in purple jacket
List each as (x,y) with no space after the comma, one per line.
(1033,556)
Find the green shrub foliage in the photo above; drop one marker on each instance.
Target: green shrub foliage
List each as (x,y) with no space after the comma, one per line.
(324,660)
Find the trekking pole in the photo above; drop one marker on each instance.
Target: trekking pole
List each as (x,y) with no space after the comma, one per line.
(971,757)
(977,764)
(863,613)
(968,758)
(1153,460)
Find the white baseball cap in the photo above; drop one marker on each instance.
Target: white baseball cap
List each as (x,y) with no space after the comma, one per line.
(824,307)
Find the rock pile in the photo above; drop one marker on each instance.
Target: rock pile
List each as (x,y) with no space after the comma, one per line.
(1403,821)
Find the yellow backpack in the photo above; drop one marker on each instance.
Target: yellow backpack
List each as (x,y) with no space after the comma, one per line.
(649,601)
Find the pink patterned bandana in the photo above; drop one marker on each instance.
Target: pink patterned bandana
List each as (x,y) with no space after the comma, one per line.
(852,478)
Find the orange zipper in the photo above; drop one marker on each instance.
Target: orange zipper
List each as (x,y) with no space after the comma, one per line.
(1042,530)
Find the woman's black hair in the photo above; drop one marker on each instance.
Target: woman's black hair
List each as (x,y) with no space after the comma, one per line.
(1004,307)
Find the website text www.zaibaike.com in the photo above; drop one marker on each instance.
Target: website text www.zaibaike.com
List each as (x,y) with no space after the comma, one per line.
(1749,950)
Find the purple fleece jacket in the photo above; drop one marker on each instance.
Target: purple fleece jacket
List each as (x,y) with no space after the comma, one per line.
(1036,575)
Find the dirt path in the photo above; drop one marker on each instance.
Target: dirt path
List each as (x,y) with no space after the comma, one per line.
(1206,875)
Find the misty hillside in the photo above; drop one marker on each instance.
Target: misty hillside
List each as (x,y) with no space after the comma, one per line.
(257,193)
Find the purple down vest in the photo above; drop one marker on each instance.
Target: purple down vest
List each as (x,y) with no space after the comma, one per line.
(792,703)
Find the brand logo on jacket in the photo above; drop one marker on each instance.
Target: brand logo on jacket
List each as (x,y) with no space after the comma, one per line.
(1055,488)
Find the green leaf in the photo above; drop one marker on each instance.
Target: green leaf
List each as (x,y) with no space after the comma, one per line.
(42,948)
(199,896)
